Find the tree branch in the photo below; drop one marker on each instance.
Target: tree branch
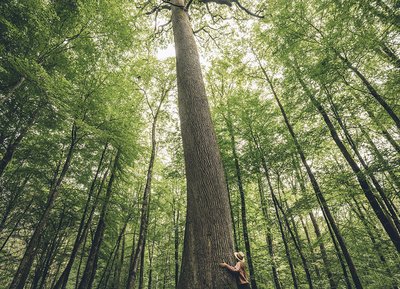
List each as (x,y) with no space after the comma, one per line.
(246,10)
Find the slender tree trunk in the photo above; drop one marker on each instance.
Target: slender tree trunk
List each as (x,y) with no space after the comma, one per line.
(151,255)
(269,240)
(390,55)
(384,131)
(317,190)
(322,249)
(235,237)
(387,204)
(38,271)
(317,230)
(112,257)
(295,242)
(285,243)
(310,247)
(176,242)
(14,228)
(87,226)
(242,202)
(11,91)
(208,235)
(78,270)
(118,281)
(13,145)
(389,228)
(50,259)
(141,268)
(62,281)
(12,202)
(357,210)
(393,178)
(25,265)
(271,189)
(140,246)
(91,264)
(372,90)
(47,255)
(339,255)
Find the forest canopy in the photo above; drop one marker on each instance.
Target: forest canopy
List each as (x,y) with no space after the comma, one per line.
(142,143)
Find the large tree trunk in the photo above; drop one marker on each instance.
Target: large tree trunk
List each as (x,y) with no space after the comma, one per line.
(208,235)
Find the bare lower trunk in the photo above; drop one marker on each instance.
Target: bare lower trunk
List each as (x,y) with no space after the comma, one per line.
(208,235)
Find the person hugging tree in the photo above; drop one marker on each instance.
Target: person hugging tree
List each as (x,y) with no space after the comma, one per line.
(238,270)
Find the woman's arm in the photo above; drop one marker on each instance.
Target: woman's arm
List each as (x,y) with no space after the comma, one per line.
(231,268)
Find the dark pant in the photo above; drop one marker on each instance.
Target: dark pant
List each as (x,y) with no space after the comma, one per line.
(244,286)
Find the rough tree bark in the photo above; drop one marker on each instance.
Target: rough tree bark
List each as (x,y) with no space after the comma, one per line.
(208,235)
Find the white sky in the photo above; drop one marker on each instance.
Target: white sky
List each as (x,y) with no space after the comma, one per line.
(165,53)
(169,51)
